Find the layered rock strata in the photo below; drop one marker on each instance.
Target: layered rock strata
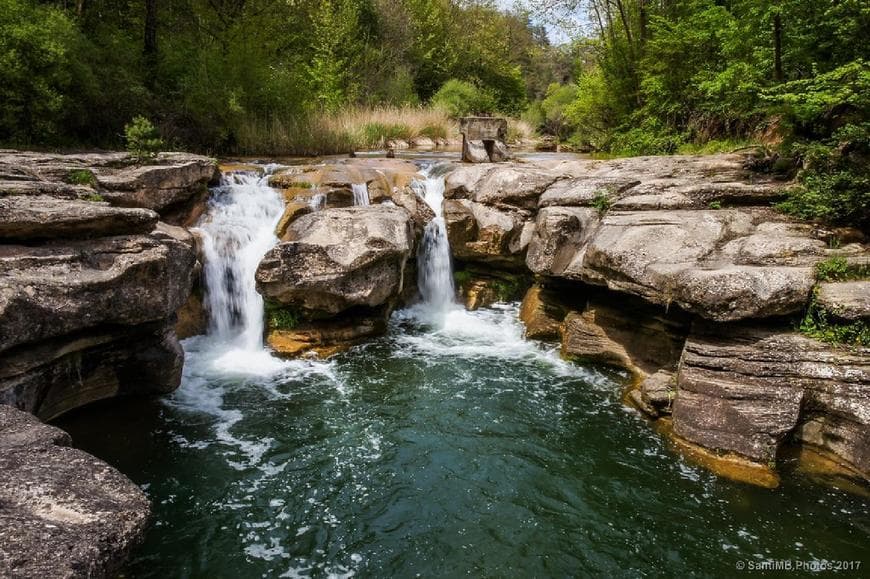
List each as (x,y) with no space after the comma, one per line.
(335,278)
(89,288)
(703,284)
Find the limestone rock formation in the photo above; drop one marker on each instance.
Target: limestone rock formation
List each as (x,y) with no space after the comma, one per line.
(63,513)
(34,217)
(336,278)
(676,269)
(746,388)
(571,220)
(336,259)
(174,185)
(89,290)
(636,337)
(847,300)
(483,139)
(330,186)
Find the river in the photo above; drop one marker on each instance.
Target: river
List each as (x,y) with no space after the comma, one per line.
(450,447)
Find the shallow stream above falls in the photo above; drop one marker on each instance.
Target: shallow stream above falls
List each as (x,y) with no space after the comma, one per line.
(450,447)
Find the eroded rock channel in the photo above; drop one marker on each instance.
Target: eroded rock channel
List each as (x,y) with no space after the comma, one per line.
(356,353)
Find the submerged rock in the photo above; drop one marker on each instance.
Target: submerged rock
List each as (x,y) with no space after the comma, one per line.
(63,513)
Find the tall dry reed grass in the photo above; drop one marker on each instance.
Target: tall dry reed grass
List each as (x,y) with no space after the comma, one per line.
(351,129)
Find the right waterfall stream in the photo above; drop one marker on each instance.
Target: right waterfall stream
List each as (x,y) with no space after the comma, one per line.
(435,273)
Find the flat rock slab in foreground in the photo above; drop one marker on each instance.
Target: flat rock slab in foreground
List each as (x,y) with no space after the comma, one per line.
(63,513)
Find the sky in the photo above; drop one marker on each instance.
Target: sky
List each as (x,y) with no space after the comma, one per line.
(558,33)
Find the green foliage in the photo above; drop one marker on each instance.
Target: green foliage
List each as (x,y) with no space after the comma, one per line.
(648,137)
(824,326)
(715,205)
(554,107)
(593,113)
(507,289)
(379,133)
(602,202)
(460,98)
(300,185)
(839,269)
(257,75)
(705,75)
(830,117)
(95,197)
(37,50)
(434,131)
(461,277)
(143,140)
(81,177)
(280,317)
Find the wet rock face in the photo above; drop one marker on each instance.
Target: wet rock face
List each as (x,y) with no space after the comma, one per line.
(63,513)
(336,259)
(746,388)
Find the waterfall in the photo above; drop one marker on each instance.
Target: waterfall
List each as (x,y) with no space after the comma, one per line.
(435,273)
(238,229)
(317,201)
(360,194)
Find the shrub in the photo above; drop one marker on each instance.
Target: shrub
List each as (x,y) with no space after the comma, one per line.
(838,269)
(81,177)
(602,202)
(649,137)
(279,317)
(554,107)
(593,112)
(821,325)
(830,118)
(459,98)
(143,141)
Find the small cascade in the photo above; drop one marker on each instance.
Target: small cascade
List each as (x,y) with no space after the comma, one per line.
(239,228)
(435,274)
(360,194)
(317,201)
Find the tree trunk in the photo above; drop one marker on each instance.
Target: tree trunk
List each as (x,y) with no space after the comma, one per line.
(777,47)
